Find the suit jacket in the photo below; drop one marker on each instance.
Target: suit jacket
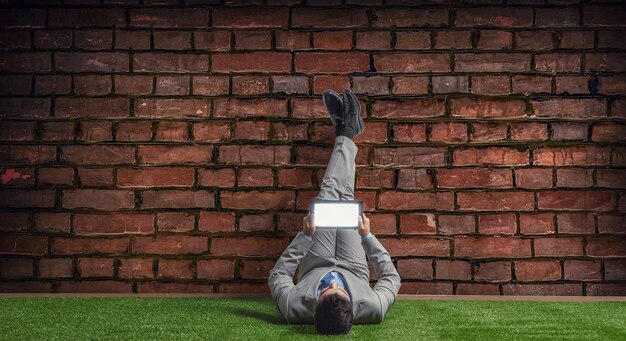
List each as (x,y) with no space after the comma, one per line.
(297,302)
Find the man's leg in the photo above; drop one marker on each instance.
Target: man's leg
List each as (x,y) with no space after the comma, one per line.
(338,184)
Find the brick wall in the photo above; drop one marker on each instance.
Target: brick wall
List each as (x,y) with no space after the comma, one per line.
(174,148)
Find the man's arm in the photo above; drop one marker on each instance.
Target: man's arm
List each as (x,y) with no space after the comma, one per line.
(281,276)
(388,284)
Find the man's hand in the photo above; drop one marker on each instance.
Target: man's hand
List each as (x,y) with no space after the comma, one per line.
(307,225)
(364,225)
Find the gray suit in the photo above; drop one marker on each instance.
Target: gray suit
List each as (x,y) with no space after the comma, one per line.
(338,250)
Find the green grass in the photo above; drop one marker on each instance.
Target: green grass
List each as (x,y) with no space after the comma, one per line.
(258,319)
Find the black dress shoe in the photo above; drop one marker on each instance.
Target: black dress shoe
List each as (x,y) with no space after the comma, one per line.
(334,106)
(352,122)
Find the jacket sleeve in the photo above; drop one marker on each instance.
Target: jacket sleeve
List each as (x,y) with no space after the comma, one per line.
(281,276)
(388,284)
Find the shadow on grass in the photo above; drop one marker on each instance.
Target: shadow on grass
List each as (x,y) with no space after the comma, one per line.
(274,319)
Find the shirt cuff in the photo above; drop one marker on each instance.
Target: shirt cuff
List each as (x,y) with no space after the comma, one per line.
(307,237)
(368,236)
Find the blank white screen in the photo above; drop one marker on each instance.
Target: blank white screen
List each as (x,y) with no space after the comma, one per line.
(336,214)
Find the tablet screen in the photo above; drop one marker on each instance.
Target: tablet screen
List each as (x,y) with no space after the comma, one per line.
(336,214)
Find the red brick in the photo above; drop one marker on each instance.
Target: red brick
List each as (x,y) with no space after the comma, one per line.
(490,85)
(426,288)
(417,223)
(251,130)
(27,154)
(256,222)
(416,40)
(569,131)
(58,131)
(95,176)
(23,244)
(603,15)
(487,108)
(250,85)
(415,268)
(533,40)
(100,199)
(248,246)
(170,244)
(414,179)
(409,108)
(170,62)
(313,155)
(95,267)
(331,62)
(211,131)
(212,40)
(254,154)
(26,62)
(490,156)
(210,85)
(136,40)
(576,223)
(169,17)
(71,246)
(250,17)
(15,39)
(542,223)
(169,287)
(172,85)
(223,177)
(55,267)
(477,289)
(607,132)
(133,85)
(264,107)
(608,39)
(161,154)
(411,63)
(268,200)
(371,85)
(374,178)
(111,224)
(376,40)
(255,177)
(409,156)
(326,18)
(94,39)
(578,39)
(488,132)
(383,223)
(171,131)
(16,267)
(392,200)
(290,84)
(491,247)
(96,131)
(79,17)
(376,132)
(457,224)
(15,85)
(533,178)
(216,269)
(406,85)
(474,178)
(496,201)
(91,62)
(606,246)
(448,132)
(572,85)
(252,62)
(557,62)
(568,156)
(409,132)
(575,200)
(565,289)
(574,177)
(172,40)
(611,178)
(489,224)
(57,39)
(538,270)
(615,269)
(18,221)
(531,84)
(582,270)
(172,108)
(605,290)
(136,268)
(322,83)
(453,269)
(492,271)
(155,177)
(558,247)
(291,223)
(92,107)
(416,246)
(228,288)
(557,17)
(175,221)
(175,268)
(453,40)
(255,269)
(95,287)
(56,176)
(494,16)
(178,198)
(492,62)
(529,131)
(332,40)
(494,40)
(409,17)
(292,40)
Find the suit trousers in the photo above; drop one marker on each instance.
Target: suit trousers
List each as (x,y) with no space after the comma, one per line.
(338,247)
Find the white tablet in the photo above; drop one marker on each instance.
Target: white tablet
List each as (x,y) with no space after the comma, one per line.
(336,213)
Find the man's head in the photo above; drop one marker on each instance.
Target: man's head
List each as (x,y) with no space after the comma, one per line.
(333,314)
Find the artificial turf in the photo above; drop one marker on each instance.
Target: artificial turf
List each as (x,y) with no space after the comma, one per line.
(258,319)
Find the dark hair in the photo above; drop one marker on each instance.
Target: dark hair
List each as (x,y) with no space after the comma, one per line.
(333,315)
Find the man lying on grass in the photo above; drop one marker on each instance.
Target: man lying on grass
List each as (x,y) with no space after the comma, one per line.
(333,290)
